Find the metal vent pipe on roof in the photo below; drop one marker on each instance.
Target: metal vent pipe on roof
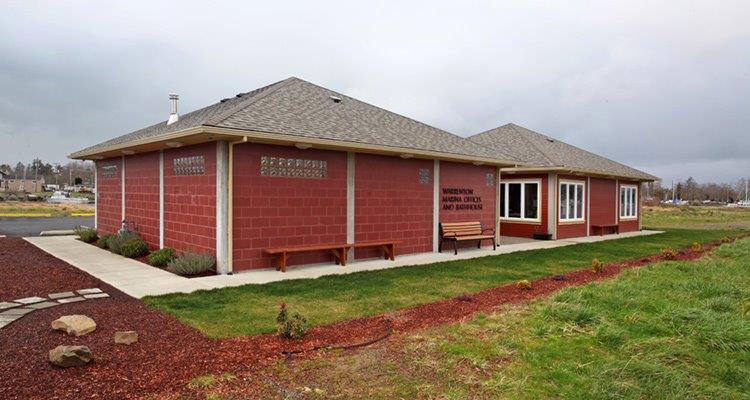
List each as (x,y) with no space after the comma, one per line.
(173,116)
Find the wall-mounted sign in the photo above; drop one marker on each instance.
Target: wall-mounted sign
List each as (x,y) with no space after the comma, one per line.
(461,199)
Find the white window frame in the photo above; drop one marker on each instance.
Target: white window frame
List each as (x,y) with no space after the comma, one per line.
(633,215)
(504,183)
(567,219)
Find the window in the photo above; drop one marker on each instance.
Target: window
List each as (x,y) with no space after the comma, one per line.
(572,201)
(519,200)
(628,201)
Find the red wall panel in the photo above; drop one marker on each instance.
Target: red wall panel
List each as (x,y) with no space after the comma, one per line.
(629,225)
(472,180)
(391,203)
(275,211)
(528,229)
(142,195)
(109,197)
(190,202)
(571,230)
(603,208)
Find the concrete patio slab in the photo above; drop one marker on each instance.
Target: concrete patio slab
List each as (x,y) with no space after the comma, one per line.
(138,280)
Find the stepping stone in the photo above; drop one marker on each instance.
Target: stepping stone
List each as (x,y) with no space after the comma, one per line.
(46,304)
(30,300)
(16,312)
(95,295)
(6,319)
(89,291)
(61,295)
(70,300)
(5,304)
(4,323)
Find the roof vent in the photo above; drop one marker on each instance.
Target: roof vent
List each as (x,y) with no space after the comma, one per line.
(335,99)
(173,117)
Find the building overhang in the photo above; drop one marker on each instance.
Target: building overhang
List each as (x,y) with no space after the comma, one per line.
(572,171)
(204,134)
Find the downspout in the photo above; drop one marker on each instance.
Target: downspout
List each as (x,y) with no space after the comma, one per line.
(230,202)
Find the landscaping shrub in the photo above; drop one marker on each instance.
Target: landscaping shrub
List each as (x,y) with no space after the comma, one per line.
(726,239)
(161,257)
(134,247)
(696,247)
(115,242)
(291,327)
(669,254)
(597,266)
(524,284)
(191,264)
(103,241)
(86,235)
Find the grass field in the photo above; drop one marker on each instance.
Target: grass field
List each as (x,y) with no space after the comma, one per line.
(697,217)
(672,330)
(54,210)
(251,309)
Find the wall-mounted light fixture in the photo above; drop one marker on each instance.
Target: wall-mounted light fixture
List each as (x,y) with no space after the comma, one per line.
(128,152)
(406,156)
(174,145)
(302,146)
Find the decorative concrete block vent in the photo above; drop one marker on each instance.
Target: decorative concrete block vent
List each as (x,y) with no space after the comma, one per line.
(13,310)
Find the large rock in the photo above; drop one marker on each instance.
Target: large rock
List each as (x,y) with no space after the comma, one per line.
(77,325)
(70,356)
(126,337)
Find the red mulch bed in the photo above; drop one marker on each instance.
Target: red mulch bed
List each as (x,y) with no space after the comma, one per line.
(169,353)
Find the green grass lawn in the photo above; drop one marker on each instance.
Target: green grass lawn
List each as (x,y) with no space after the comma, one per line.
(708,217)
(672,330)
(251,309)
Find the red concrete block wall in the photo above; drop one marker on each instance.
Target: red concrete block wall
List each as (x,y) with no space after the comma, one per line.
(571,230)
(142,196)
(190,202)
(392,204)
(465,178)
(109,196)
(629,225)
(603,207)
(527,230)
(275,211)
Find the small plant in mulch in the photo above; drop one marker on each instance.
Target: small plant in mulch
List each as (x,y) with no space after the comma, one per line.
(559,278)
(103,241)
(291,326)
(134,247)
(87,235)
(464,297)
(597,266)
(524,284)
(669,254)
(726,239)
(191,264)
(696,247)
(161,258)
(115,242)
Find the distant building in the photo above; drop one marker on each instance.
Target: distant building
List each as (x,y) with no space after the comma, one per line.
(20,185)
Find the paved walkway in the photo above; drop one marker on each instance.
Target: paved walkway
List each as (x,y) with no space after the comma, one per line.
(139,280)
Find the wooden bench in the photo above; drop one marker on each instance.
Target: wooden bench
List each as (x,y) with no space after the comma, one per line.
(464,231)
(339,251)
(614,227)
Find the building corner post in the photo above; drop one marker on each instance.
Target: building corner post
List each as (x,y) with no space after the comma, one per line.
(350,195)
(96,196)
(122,190)
(222,207)
(498,183)
(161,199)
(552,205)
(435,205)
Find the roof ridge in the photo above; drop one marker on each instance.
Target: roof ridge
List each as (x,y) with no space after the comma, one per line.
(513,127)
(264,91)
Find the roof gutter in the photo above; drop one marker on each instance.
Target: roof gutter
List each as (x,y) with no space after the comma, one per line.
(575,171)
(276,138)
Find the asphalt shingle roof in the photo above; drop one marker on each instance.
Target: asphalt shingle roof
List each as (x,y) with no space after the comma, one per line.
(539,150)
(299,108)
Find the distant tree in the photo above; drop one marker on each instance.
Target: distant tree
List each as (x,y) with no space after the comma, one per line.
(18,170)
(78,181)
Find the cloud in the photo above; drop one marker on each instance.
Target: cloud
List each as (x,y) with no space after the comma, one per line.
(652,89)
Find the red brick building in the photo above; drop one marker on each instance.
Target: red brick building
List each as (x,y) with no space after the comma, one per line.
(294,164)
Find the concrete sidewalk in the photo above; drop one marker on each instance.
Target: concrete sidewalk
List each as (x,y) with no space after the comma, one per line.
(139,280)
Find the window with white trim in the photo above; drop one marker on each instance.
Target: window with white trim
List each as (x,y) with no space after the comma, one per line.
(572,201)
(628,201)
(519,200)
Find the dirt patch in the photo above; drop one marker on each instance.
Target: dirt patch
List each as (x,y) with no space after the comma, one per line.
(169,353)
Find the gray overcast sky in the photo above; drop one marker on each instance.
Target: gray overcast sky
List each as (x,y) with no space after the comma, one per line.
(662,86)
